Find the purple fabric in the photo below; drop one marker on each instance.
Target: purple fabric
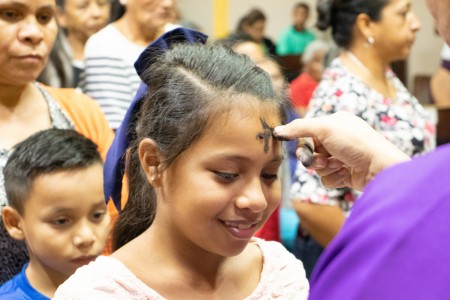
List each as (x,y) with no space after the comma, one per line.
(446,64)
(396,242)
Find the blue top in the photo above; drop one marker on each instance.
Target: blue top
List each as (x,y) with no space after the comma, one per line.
(20,288)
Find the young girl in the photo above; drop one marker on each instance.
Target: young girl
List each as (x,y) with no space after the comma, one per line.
(202,174)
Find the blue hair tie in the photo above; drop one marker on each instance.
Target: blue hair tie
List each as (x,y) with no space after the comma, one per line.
(114,168)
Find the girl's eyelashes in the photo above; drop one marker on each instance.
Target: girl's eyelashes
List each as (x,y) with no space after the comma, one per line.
(230,177)
(270,177)
(226,177)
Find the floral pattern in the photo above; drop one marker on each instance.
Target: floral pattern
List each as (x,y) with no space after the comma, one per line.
(403,121)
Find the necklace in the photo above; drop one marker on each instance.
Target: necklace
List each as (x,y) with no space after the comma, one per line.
(357,62)
(388,91)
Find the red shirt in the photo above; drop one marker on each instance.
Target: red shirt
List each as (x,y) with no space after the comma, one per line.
(301,89)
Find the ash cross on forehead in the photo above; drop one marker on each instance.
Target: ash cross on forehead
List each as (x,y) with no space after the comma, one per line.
(266,135)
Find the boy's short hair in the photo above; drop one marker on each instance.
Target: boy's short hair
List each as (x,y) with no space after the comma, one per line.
(302,5)
(42,153)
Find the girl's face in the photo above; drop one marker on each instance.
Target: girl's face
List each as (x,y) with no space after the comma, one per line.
(27,32)
(218,193)
(394,34)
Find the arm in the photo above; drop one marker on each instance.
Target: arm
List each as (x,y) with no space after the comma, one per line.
(321,221)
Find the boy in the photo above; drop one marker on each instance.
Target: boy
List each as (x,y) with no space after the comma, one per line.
(54,185)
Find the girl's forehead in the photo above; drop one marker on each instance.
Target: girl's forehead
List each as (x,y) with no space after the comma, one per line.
(248,109)
(255,121)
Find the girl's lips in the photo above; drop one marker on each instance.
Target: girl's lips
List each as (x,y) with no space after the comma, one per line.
(240,230)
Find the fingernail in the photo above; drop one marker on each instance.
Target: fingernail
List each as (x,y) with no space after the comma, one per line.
(279,130)
(278,133)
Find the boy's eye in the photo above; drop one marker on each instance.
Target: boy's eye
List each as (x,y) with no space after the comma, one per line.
(98,215)
(226,177)
(60,221)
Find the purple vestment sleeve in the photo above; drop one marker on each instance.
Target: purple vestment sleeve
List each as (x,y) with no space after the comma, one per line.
(396,242)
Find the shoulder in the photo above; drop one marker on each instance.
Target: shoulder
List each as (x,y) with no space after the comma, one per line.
(338,81)
(105,278)
(86,114)
(18,287)
(74,102)
(286,32)
(310,33)
(66,95)
(10,288)
(106,34)
(406,208)
(282,274)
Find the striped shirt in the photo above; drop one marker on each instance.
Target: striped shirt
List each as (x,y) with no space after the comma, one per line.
(110,77)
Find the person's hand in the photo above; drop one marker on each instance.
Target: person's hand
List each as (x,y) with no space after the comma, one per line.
(347,151)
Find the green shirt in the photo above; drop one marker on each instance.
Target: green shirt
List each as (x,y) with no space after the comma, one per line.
(293,42)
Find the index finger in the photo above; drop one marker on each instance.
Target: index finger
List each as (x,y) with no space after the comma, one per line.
(298,128)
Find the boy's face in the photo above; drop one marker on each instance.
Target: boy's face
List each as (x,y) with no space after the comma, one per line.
(65,222)
(300,15)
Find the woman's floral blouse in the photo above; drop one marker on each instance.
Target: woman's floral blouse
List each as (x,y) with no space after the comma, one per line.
(403,121)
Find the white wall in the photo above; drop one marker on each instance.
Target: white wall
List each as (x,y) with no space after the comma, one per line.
(425,54)
(424,57)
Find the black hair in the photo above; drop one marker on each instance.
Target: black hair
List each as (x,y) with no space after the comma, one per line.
(302,5)
(190,86)
(251,18)
(235,39)
(341,16)
(43,153)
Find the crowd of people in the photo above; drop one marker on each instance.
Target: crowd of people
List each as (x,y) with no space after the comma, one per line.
(159,166)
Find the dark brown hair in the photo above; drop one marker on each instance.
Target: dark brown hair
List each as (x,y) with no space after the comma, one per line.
(190,85)
(341,16)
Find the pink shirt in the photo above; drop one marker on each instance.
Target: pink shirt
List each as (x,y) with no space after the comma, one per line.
(282,277)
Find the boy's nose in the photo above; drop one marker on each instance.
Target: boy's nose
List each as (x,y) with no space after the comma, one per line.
(84,237)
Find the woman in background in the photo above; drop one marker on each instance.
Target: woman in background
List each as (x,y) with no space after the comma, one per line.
(253,24)
(360,81)
(27,33)
(110,77)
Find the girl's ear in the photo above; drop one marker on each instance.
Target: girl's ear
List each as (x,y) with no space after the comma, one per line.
(150,158)
(13,222)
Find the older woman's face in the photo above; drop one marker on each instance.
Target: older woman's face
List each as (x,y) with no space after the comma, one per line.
(27,32)
(150,13)
(395,33)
